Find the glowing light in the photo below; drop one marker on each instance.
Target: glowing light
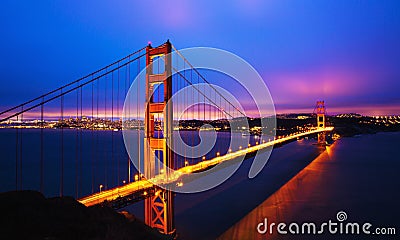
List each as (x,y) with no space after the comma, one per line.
(143,185)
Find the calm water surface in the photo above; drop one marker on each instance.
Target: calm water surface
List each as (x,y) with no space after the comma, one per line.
(301,182)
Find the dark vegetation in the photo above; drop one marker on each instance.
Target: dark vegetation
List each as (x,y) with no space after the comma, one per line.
(29,215)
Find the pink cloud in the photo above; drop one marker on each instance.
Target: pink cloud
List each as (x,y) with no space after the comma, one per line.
(332,82)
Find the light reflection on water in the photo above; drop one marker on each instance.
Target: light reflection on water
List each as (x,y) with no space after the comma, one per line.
(286,202)
(355,175)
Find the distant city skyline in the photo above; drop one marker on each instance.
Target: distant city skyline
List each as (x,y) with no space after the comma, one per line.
(343,52)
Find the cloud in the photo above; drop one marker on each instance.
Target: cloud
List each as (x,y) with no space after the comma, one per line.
(321,82)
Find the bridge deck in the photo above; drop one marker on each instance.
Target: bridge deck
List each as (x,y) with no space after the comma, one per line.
(143,185)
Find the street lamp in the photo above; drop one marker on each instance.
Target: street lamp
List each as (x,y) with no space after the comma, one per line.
(101,186)
(186,163)
(136,177)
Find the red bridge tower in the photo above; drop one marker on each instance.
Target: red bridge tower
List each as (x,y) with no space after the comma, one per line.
(159,209)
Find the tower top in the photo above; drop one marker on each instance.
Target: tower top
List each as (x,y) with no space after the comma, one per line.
(320,107)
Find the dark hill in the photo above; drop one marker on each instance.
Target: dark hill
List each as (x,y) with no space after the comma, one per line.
(29,215)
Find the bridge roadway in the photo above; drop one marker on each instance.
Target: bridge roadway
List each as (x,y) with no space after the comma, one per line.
(142,186)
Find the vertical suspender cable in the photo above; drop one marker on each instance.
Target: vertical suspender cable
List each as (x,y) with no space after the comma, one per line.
(81,146)
(192,107)
(16,156)
(105,122)
(41,149)
(112,130)
(62,146)
(97,123)
(185,104)
(92,138)
(127,118)
(20,151)
(138,121)
(118,122)
(76,143)
(159,154)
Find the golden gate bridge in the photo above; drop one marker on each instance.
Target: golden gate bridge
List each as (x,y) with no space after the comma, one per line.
(102,101)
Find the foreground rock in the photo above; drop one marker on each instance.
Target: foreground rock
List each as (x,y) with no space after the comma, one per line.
(29,215)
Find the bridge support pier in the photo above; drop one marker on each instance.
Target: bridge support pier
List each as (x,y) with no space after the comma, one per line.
(158,156)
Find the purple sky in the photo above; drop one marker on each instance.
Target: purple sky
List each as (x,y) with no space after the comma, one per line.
(344,52)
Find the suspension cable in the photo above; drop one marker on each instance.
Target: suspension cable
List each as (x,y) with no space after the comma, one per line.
(69,90)
(71,83)
(191,66)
